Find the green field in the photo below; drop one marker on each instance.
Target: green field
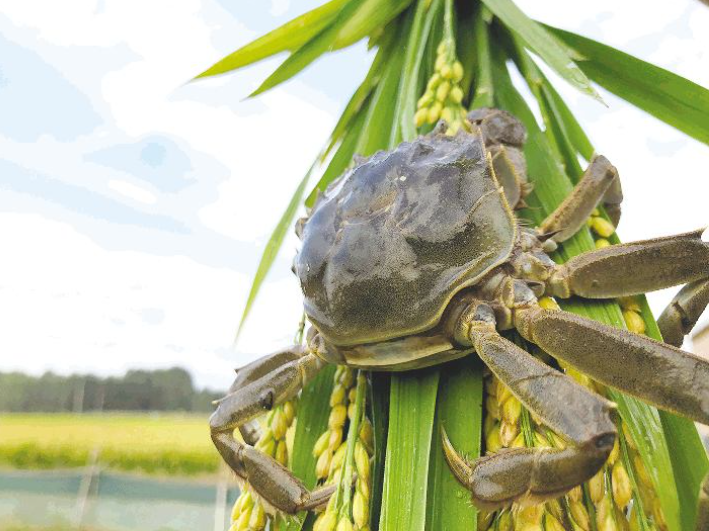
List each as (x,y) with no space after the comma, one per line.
(151,443)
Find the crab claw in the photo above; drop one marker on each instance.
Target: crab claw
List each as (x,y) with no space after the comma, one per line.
(276,486)
(261,391)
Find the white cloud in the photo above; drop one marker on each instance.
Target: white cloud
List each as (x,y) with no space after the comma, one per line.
(68,304)
(134,192)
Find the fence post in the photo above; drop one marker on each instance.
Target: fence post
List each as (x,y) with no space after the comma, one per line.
(90,471)
(220,502)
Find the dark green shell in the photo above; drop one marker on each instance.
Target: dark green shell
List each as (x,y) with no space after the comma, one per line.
(392,240)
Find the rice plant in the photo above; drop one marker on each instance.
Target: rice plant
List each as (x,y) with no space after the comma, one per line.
(437,59)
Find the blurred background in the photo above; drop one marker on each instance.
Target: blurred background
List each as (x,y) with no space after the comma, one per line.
(135,205)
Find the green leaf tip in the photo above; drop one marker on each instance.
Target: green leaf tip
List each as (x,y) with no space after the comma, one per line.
(542,43)
(288,37)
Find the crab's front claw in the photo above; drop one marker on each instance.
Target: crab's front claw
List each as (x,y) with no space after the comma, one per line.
(271,481)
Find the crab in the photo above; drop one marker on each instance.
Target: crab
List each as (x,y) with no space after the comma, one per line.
(415,257)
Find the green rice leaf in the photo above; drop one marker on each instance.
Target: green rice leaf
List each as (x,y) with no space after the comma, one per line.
(411,412)
(465,45)
(355,106)
(459,410)
(424,18)
(667,96)
(551,185)
(566,121)
(342,157)
(309,52)
(381,129)
(555,128)
(273,246)
(484,93)
(542,43)
(381,389)
(371,15)
(689,458)
(312,422)
(288,37)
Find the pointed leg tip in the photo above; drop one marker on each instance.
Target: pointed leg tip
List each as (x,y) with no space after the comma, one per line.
(461,469)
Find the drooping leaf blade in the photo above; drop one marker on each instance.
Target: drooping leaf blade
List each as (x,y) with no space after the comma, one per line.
(309,52)
(288,37)
(342,157)
(673,99)
(355,106)
(538,39)
(273,246)
(371,15)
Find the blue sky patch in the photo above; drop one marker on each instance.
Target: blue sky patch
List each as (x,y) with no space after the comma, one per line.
(81,200)
(156,159)
(36,99)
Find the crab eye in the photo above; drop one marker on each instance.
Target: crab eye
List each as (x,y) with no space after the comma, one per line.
(267,400)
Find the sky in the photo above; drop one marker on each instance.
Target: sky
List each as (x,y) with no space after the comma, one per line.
(134,205)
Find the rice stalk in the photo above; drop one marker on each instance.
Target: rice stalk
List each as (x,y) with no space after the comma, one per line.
(345,459)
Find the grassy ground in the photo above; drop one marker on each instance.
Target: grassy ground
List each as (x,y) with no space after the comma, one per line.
(150,443)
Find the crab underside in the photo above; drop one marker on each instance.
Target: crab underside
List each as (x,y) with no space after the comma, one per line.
(415,256)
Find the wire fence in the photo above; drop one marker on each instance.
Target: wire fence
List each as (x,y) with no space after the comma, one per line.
(91,498)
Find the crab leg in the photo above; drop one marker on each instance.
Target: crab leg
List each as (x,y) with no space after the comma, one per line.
(680,316)
(268,478)
(600,177)
(504,136)
(532,475)
(633,268)
(510,170)
(253,371)
(660,374)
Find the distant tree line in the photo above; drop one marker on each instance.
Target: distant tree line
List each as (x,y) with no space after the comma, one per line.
(139,390)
